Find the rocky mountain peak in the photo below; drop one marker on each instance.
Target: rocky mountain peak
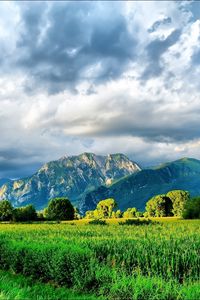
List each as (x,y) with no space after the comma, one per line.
(70,176)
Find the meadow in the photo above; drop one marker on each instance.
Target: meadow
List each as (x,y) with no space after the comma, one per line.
(156,261)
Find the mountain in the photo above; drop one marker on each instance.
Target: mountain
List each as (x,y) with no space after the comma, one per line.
(3,181)
(71,176)
(135,190)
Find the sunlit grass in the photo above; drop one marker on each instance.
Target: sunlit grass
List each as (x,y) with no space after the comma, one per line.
(158,261)
(18,287)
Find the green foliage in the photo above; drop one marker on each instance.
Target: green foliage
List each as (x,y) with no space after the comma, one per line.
(179,199)
(97,222)
(159,206)
(118,214)
(171,204)
(89,214)
(25,213)
(136,222)
(105,208)
(130,213)
(139,214)
(6,210)
(192,209)
(60,209)
(19,287)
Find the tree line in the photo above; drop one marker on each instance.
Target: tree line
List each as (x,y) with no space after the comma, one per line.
(57,209)
(174,203)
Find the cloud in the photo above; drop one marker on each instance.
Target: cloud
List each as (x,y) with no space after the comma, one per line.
(66,42)
(101,77)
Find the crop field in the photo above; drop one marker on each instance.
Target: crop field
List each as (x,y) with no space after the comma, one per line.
(156,261)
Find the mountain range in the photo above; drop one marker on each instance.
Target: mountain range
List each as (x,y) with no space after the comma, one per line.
(72,176)
(135,190)
(88,178)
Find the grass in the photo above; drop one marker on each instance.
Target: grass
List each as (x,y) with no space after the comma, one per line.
(158,261)
(18,287)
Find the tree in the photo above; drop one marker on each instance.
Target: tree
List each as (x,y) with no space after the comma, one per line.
(6,210)
(179,199)
(130,213)
(159,206)
(60,209)
(105,207)
(25,213)
(89,214)
(192,209)
(118,214)
(139,214)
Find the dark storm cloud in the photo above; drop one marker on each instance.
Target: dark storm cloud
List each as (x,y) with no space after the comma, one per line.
(154,50)
(11,169)
(61,41)
(12,165)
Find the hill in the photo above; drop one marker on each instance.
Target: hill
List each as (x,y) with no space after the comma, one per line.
(135,190)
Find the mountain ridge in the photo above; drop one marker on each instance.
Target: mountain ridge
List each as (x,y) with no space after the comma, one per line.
(69,176)
(136,189)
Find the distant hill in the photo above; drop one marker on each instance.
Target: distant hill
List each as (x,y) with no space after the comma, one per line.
(135,190)
(71,176)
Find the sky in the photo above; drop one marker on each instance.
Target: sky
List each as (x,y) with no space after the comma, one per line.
(101,77)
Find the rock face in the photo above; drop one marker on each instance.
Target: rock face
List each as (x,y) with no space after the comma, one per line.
(136,189)
(71,176)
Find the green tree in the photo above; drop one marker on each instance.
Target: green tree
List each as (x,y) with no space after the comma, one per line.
(179,199)
(6,210)
(130,213)
(139,214)
(118,214)
(192,209)
(159,206)
(25,213)
(113,215)
(105,207)
(60,209)
(89,214)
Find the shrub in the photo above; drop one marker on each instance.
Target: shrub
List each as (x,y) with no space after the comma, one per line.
(136,222)
(97,222)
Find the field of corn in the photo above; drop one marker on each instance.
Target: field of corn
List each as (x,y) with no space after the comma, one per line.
(156,261)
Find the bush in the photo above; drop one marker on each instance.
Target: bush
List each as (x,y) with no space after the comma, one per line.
(136,222)
(97,222)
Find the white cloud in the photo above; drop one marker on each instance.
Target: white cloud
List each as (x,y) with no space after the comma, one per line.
(152,119)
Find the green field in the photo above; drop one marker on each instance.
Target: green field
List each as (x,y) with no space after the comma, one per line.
(160,261)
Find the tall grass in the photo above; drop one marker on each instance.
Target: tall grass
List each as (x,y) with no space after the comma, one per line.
(19,287)
(159,261)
